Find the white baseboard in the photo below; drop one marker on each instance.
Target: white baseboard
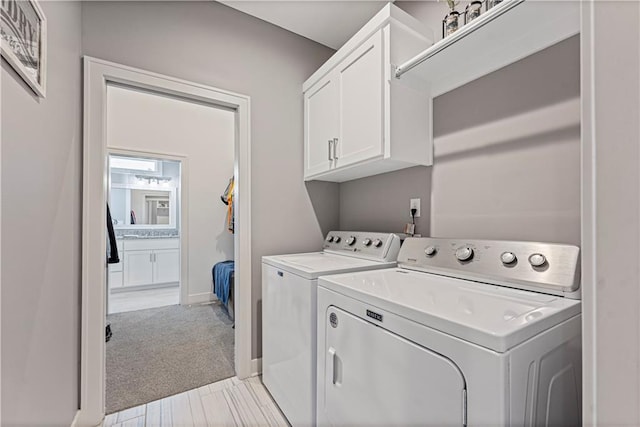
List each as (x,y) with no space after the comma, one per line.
(144,287)
(200,298)
(76,419)
(74,423)
(256,367)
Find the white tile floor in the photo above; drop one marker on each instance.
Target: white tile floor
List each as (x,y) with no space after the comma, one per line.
(119,302)
(229,402)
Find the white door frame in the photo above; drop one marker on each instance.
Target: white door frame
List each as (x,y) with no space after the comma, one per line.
(97,73)
(183,225)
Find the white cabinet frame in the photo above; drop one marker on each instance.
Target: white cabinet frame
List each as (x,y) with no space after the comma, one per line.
(398,136)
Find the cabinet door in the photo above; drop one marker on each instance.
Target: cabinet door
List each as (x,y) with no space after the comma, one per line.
(166,265)
(321,125)
(138,268)
(361,77)
(115,279)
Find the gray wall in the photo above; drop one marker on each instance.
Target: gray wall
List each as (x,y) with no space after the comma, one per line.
(507,152)
(507,156)
(41,226)
(209,43)
(381,202)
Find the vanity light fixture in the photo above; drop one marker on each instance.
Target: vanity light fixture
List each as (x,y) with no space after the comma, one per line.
(156,179)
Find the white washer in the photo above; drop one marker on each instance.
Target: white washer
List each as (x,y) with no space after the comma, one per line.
(289,315)
(465,332)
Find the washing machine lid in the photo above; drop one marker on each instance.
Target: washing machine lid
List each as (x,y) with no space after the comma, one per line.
(314,264)
(491,316)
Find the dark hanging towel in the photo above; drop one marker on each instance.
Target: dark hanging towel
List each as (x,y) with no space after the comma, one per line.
(112,258)
(112,253)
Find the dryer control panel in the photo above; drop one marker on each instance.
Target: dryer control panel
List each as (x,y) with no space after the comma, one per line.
(543,267)
(375,246)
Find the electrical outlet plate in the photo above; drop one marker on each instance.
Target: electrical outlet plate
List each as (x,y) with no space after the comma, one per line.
(415,204)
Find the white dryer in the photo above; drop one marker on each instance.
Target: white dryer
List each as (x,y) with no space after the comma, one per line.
(477,333)
(289,315)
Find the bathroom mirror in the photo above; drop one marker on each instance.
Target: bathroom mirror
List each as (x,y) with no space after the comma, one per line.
(142,198)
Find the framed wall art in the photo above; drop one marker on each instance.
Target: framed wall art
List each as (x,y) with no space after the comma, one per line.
(23,31)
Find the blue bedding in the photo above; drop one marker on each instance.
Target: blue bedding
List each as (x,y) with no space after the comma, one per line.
(222,274)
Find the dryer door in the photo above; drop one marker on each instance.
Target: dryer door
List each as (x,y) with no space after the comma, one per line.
(374,377)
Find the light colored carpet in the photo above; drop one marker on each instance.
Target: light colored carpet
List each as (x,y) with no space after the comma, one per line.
(159,352)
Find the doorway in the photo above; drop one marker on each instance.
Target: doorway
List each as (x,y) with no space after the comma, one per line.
(160,349)
(98,76)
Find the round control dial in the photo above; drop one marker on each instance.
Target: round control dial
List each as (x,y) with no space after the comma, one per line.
(537,260)
(464,253)
(430,251)
(508,258)
(366,242)
(337,239)
(351,240)
(377,243)
(329,239)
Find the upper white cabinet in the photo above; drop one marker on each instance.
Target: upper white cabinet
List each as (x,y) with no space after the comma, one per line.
(359,119)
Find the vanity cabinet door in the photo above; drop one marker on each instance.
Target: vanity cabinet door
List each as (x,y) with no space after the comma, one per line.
(115,279)
(138,268)
(166,266)
(116,273)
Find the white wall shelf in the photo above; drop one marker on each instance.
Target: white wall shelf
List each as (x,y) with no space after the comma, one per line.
(505,34)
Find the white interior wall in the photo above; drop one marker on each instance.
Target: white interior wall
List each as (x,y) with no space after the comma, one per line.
(154,123)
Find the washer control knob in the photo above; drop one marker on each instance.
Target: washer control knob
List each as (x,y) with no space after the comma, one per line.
(377,243)
(351,240)
(464,253)
(508,258)
(337,239)
(367,242)
(537,260)
(329,239)
(430,251)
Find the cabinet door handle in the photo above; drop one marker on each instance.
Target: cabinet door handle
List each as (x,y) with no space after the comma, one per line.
(335,148)
(329,145)
(151,257)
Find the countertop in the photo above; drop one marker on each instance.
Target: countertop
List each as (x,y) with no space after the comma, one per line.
(136,237)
